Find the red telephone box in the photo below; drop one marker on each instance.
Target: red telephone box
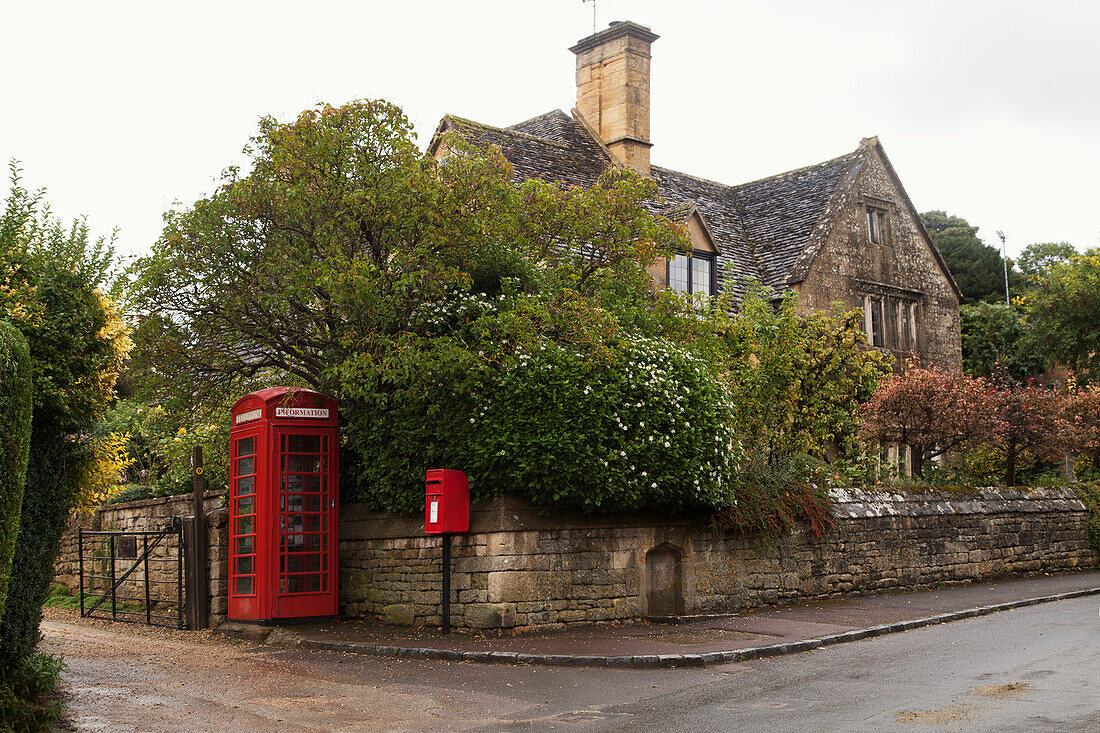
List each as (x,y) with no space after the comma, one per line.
(283,505)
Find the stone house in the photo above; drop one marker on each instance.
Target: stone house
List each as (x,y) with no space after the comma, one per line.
(843,231)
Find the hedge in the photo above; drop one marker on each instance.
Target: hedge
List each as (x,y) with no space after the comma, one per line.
(15,441)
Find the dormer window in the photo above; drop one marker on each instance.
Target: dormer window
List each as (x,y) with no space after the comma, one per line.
(876,226)
(692,273)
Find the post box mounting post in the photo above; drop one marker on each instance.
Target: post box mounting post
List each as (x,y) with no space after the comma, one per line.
(446,621)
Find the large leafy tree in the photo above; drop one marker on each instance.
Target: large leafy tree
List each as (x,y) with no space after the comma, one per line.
(996,339)
(977,267)
(344,260)
(1037,258)
(1063,309)
(53,281)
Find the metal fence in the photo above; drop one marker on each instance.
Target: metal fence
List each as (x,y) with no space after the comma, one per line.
(133,576)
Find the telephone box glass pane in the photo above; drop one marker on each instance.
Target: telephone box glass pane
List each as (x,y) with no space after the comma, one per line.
(246,466)
(244,525)
(303,464)
(246,447)
(245,485)
(244,565)
(303,523)
(245,506)
(304,444)
(244,586)
(244,545)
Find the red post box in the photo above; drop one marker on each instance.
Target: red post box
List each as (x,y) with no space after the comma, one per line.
(446,501)
(284,493)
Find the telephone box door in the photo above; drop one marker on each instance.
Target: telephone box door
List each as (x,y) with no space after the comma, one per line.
(306,521)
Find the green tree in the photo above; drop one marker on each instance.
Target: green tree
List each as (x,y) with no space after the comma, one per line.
(977,267)
(52,290)
(15,435)
(346,261)
(1063,309)
(1037,258)
(996,339)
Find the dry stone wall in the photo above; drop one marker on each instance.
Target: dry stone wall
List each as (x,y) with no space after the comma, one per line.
(152,515)
(517,568)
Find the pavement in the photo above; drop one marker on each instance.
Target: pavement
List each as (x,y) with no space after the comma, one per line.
(690,641)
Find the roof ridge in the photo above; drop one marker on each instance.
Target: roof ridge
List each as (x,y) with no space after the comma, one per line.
(694,178)
(538,117)
(507,130)
(857,152)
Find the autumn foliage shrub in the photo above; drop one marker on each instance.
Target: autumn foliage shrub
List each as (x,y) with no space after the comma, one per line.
(931,411)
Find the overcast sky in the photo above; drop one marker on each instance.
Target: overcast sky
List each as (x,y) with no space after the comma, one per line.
(988,110)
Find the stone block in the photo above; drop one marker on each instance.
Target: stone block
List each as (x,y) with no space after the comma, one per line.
(399,614)
(490,615)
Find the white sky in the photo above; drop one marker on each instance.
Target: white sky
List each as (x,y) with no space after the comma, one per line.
(989,110)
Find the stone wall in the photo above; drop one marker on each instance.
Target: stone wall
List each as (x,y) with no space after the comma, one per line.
(517,568)
(152,515)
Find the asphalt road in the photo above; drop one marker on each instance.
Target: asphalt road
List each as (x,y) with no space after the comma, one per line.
(1031,669)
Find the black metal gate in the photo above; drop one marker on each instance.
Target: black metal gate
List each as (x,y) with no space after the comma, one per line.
(133,576)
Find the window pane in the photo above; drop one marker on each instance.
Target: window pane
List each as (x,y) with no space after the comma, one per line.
(244,565)
(701,269)
(308,503)
(244,526)
(874,226)
(246,466)
(905,342)
(244,506)
(294,483)
(244,545)
(245,485)
(305,444)
(246,446)
(892,324)
(876,321)
(244,586)
(678,273)
(303,584)
(303,464)
(303,563)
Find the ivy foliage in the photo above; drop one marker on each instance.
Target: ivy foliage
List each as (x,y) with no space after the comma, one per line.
(15,441)
(797,382)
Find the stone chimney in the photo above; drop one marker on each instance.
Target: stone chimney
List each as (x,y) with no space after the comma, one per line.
(613,90)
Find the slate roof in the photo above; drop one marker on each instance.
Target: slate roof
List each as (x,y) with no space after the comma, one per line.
(767,229)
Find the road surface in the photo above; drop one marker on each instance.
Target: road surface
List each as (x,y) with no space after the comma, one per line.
(1031,669)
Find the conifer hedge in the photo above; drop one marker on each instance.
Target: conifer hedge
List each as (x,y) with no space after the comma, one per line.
(15,440)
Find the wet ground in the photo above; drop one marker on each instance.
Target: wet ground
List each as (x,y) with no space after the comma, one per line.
(1028,669)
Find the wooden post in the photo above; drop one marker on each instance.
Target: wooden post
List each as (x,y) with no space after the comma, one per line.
(197,576)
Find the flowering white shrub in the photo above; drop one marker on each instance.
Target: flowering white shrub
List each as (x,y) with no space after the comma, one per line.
(648,427)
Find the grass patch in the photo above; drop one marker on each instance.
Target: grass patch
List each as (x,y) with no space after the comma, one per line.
(28,694)
(64,597)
